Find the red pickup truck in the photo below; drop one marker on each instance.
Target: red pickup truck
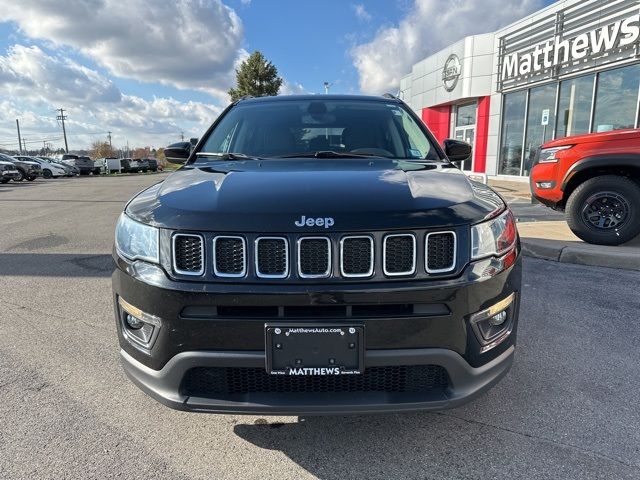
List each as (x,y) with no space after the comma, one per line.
(595,179)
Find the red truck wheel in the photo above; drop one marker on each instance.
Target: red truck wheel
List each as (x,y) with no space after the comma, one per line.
(605,210)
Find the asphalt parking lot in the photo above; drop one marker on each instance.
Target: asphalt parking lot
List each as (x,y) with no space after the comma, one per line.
(568,408)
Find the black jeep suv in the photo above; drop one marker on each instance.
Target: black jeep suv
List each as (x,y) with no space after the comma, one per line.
(316,255)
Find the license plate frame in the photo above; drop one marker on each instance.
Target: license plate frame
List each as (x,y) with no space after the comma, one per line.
(297,349)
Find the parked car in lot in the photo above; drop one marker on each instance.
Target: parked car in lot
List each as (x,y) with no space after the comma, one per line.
(142,163)
(28,169)
(8,171)
(595,180)
(70,171)
(154,166)
(147,164)
(49,170)
(95,169)
(84,164)
(129,166)
(282,270)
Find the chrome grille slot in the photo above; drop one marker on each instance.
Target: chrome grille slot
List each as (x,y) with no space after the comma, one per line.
(356,256)
(229,256)
(440,252)
(399,254)
(314,257)
(272,257)
(188,254)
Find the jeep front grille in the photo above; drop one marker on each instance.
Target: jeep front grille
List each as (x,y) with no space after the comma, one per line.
(272,257)
(188,254)
(314,257)
(399,254)
(295,257)
(229,256)
(356,256)
(440,252)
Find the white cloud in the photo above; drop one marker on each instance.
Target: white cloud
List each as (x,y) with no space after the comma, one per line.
(361,12)
(292,88)
(429,26)
(37,83)
(183,43)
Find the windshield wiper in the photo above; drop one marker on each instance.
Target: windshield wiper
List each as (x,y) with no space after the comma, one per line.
(227,155)
(329,154)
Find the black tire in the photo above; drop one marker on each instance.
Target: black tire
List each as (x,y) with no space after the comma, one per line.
(31,179)
(47,174)
(605,210)
(20,176)
(4,180)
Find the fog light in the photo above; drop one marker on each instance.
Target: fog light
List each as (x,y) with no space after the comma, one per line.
(140,328)
(133,322)
(493,325)
(546,185)
(498,319)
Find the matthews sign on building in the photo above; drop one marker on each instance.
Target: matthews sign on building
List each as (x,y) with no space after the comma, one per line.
(571,68)
(559,51)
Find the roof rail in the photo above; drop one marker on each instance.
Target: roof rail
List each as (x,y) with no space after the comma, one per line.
(389,95)
(244,97)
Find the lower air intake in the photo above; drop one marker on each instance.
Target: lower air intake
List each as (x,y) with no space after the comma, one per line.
(213,381)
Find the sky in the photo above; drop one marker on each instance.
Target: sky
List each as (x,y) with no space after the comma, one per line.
(150,71)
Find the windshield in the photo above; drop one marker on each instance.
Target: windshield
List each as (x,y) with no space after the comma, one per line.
(304,127)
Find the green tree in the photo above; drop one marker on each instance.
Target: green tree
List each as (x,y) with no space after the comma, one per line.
(257,77)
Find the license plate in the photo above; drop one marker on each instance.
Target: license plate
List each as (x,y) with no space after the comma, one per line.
(314,350)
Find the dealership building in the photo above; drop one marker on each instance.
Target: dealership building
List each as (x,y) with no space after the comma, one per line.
(571,68)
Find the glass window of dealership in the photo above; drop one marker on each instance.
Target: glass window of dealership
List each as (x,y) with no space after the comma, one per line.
(596,102)
(572,68)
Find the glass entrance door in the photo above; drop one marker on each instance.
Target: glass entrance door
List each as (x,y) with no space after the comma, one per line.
(465,128)
(466,134)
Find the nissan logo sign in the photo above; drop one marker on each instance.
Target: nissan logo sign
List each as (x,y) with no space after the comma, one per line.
(451,72)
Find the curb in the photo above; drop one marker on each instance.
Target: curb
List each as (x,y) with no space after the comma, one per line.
(625,257)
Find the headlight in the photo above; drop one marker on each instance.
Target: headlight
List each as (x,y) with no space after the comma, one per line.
(494,237)
(548,155)
(136,241)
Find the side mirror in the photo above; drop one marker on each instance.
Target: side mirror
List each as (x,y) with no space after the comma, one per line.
(194,141)
(178,152)
(457,150)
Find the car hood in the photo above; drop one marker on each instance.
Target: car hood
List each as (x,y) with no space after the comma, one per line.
(270,196)
(615,135)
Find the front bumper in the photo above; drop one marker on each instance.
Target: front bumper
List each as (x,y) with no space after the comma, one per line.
(441,339)
(10,174)
(466,383)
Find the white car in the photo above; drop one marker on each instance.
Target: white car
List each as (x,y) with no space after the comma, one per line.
(50,170)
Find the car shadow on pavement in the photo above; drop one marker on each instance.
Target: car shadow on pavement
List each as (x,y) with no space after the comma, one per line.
(371,446)
(56,265)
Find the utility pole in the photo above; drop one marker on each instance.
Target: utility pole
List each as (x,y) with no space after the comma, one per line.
(24,143)
(182,136)
(62,117)
(327,86)
(109,137)
(19,139)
